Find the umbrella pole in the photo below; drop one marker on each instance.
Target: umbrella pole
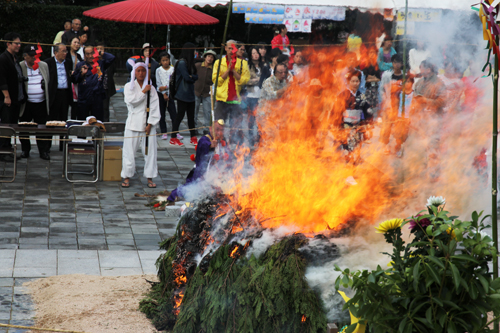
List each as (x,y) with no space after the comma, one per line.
(229,8)
(168,38)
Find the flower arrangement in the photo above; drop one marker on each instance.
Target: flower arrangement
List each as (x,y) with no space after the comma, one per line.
(439,282)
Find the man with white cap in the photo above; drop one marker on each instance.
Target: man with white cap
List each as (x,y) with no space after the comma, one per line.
(140,125)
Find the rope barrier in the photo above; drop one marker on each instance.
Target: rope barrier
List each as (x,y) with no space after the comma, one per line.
(39,328)
(247,44)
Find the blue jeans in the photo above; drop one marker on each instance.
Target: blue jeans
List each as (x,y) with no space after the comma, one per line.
(207,110)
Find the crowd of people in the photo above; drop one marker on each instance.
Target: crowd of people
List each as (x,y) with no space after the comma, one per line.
(246,78)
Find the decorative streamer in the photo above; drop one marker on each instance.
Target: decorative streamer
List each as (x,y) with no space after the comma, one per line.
(95,65)
(156,49)
(37,57)
(487,14)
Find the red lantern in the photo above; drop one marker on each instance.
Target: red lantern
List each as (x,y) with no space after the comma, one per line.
(192,157)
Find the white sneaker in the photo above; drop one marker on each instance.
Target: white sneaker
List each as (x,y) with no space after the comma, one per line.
(164,137)
(180,137)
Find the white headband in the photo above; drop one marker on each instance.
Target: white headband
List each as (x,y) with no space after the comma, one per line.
(136,65)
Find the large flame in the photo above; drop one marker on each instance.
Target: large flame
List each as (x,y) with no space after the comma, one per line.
(302,178)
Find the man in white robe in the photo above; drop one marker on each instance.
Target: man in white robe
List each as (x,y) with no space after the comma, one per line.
(139,126)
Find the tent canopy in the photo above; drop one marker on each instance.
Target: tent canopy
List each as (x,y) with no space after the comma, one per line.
(396,4)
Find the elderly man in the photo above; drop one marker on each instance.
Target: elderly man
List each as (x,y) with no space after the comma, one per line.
(139,125)
(76,25)
(209,150)
(91,92)
(11,86)
(36,107)
(59,83)
(202,87)
(274,87)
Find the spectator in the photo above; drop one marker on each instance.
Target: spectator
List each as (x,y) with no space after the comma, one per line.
(185,77)
(68,36)
(233,75)
(163,75)
(145,52)
(385,54)
(11,85)
(275,53)
(59,83)
(391,84)
(203,85)
(397,122)
(259,72)
(83,37)
(36,108)
(353,65)
(67,27)
(417,55)
(430,98)
(108,82)
(263,52)
(280,39)
(139,125)
(73,58)
(91,93)
(354,43)
(373,77)
(355,116)
(242,52)
(299,64)
(285,60)
(274,87)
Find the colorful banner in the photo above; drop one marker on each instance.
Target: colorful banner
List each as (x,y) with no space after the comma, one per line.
(420,15)
(245,8)
(263,18)
(315,12)
(295,25)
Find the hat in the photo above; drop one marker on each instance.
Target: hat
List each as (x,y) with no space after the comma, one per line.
(210,52)
(146,46)
(30,50)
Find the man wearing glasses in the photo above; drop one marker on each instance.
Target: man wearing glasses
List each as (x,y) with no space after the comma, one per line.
(59,83)
(274,87)
(11,85)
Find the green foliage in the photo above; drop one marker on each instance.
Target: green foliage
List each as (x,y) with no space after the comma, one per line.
(440,282)
(242,295)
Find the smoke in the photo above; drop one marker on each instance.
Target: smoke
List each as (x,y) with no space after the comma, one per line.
(318,186)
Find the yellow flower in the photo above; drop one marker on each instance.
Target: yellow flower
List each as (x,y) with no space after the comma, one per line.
(453,236)
(389,225)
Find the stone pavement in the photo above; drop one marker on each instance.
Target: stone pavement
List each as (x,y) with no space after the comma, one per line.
(49,226)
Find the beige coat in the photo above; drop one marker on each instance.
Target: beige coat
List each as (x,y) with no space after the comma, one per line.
(44,70)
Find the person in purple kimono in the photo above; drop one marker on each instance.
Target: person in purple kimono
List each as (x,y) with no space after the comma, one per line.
(209,150)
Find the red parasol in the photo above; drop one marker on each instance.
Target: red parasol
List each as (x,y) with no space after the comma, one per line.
(151,12)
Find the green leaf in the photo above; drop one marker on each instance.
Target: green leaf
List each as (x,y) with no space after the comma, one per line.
(416,275)
(428,314)
(465,257)
(456,276)
(473,291)
(484,282)
(402,324)
(436,261)
(494,296)
(351,328)
(495,284)
(451,327)
(432,272)
(371,278)
(428,230)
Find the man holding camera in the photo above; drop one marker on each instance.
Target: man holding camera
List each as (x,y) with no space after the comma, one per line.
(36,107)
(11,85)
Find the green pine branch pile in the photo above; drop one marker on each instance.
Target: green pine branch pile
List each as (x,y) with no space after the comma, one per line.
(268,294)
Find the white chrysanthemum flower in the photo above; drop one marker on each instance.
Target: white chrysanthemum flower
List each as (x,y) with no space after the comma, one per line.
(435,201)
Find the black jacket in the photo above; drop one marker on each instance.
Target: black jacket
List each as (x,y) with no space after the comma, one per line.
(68,36)
(8,76)
(51,63)
(70,60)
